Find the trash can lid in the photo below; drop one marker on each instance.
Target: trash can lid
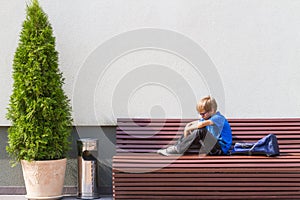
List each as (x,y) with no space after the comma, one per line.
(88,144)
(87,139)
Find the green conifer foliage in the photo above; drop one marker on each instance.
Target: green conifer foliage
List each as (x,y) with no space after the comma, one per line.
(39,110)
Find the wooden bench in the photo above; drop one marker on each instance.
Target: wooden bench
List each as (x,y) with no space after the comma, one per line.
(139,173)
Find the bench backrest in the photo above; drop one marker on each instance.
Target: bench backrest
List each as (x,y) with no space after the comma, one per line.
(149,135)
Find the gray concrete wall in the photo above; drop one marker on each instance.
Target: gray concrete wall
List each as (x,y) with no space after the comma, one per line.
(11,178)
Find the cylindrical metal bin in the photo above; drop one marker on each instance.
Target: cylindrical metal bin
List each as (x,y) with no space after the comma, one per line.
(87,168)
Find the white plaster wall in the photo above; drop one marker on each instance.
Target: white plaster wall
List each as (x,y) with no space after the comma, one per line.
(252,47)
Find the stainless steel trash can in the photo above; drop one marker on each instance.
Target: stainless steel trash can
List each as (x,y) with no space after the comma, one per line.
(87,168)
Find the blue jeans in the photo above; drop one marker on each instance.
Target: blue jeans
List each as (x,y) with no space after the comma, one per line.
(208,143)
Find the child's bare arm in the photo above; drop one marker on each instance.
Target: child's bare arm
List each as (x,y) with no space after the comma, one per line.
(196,125)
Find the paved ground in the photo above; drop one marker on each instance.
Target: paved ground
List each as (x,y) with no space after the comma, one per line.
(22,197)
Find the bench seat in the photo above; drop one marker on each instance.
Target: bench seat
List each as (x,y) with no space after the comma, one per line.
(140,173)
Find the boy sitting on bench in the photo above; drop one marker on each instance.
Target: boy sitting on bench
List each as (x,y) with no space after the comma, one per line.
(212,131)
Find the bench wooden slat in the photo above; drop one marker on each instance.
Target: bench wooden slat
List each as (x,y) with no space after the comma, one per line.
(224,188)
(120,176)
(209,193)
(153,129)
(232,120)
(179,132)
(172,136)
(205,165)
(144,146)
(209,184)
(206,197)
(203,161)
(273,170)
(283,151)
(204,180)
(197,157)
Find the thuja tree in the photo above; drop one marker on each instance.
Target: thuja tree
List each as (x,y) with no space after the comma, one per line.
(39,110)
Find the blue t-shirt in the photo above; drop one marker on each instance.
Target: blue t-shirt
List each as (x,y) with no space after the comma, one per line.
(220,130)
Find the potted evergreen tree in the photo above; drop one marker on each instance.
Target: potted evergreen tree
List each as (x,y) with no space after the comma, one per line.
(39,110)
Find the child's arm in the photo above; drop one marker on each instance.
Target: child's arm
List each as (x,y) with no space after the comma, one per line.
(196,125)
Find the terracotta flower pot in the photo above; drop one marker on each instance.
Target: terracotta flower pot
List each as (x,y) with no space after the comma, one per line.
(44,179)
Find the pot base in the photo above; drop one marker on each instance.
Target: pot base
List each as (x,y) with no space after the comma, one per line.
(38,198)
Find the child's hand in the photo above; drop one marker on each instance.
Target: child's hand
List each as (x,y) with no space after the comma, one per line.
(186,133)
(188,128)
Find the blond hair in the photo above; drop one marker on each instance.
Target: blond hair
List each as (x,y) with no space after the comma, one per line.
(208,104)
